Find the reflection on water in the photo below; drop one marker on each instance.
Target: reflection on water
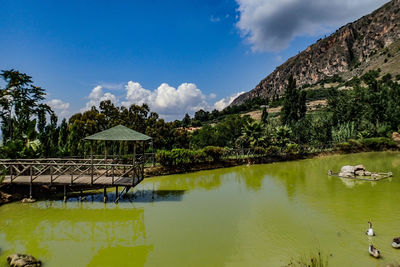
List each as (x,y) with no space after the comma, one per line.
(144,195)
(261,215)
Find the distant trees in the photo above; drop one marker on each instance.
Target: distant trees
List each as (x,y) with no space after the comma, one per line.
(294,105)
(371,109)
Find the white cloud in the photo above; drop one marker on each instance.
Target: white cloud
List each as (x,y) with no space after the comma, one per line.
(167,100)
(112,86)
(270,25)
(96,96)
(60,107)
(215,19)
(224,102)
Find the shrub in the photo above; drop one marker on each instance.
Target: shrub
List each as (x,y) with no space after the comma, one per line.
(214,152)
(343,132)
(164,157)
(273,150)
(292,149)
(345,146)
(378,143)
(355,144)
(259,151)
(198,156)
(180,157)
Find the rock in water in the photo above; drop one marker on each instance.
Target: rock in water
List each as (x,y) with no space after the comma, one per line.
(5,198)
(22,260)
(359,167)
(348,168)
(375,176)
(347,171)
(28,200)
(360,173)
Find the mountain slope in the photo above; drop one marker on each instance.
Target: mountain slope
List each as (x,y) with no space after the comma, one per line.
(351,50)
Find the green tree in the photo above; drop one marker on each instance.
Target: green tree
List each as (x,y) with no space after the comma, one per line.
(264,115)
(186,121)
(294,103)
(20,101)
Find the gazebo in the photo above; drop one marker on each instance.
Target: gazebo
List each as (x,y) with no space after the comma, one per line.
(117,134)
(121,133)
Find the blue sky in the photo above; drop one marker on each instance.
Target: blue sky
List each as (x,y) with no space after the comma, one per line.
(176,55)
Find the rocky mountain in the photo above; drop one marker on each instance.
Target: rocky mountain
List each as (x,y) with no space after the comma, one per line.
(373,41)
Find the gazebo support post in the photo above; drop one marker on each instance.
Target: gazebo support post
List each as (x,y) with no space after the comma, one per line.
(105,194)
(91,162)
(143,159)
(134,152)
(105,156)
(152,153)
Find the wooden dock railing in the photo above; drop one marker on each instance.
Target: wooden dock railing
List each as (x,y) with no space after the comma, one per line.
(72,171)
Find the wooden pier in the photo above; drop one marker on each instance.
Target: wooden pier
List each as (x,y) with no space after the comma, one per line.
(72,173)
(78,174)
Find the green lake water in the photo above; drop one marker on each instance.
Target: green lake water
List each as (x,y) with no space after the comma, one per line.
(259,215)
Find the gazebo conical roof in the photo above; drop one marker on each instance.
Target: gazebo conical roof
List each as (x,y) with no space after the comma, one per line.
(119,133)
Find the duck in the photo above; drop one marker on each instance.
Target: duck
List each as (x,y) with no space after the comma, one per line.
(396,242)
(370,231)
(373,251)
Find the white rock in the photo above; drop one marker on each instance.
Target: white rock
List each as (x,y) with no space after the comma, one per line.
(347,168)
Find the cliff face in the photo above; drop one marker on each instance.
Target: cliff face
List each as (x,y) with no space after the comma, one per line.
(349,49)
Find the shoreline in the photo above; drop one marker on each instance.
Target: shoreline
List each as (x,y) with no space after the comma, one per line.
(162,171)
(14,194)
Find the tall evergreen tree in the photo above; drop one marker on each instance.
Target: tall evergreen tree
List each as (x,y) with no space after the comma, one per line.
(20,103)
(264,115)
(294,103)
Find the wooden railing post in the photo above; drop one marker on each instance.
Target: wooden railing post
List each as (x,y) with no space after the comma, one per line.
(72,177)
(91,173)
(112,170)
(31,182)
(51,174)
(11,172)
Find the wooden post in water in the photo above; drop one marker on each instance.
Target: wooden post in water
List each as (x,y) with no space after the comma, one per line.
(105,194)
(65,193)
(116,194)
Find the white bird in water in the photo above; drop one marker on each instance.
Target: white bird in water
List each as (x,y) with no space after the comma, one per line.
(370,231)
(373,251)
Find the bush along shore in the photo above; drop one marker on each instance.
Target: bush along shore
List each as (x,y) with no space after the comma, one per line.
(189,160)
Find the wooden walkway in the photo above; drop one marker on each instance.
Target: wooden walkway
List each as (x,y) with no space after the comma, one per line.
(73,173)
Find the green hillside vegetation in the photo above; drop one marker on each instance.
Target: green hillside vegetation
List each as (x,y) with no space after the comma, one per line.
(362,117)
